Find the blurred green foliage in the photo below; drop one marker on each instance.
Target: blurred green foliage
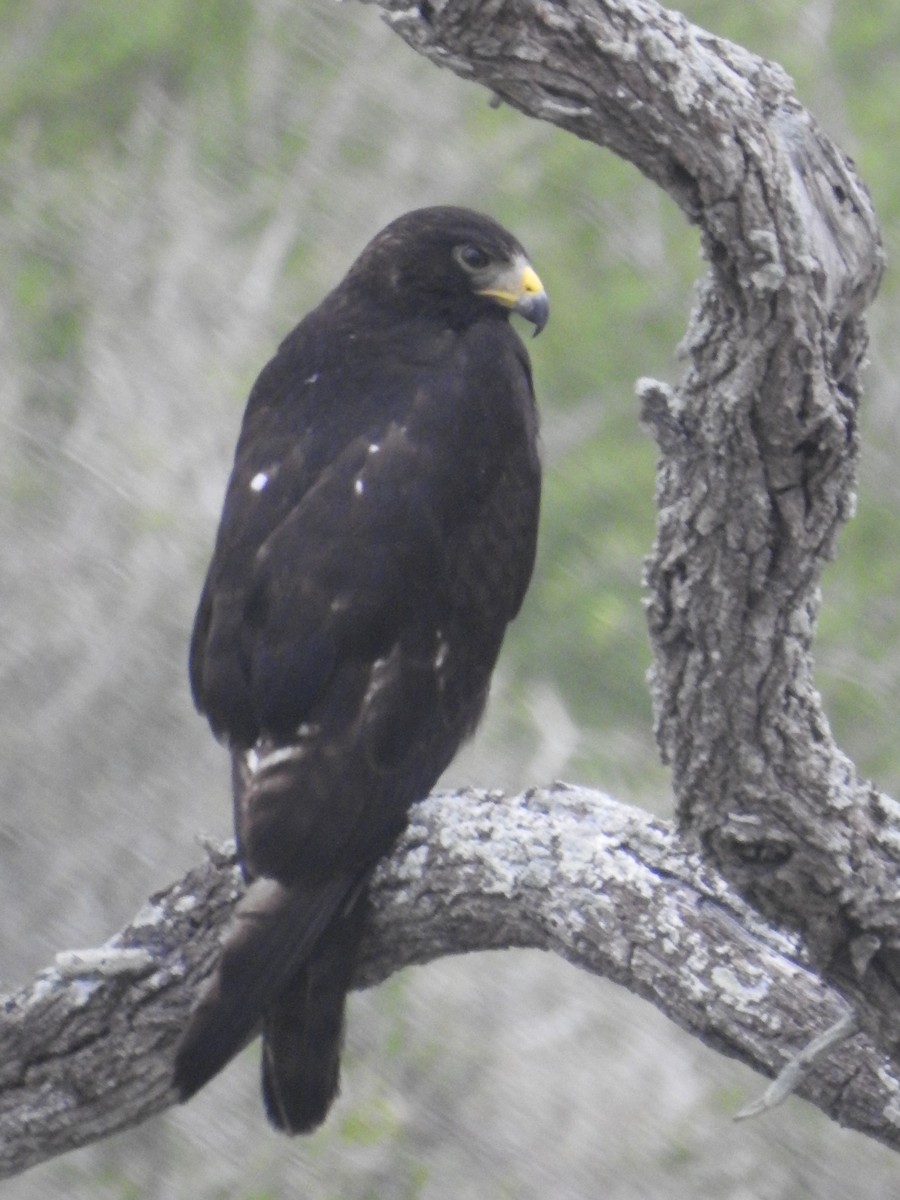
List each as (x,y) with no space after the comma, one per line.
(75,69)
(617,257)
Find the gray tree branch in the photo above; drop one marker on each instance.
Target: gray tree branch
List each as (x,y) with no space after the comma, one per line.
(758,458)
(86,1050)
(759,445)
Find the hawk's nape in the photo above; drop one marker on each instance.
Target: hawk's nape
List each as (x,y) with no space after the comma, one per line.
(377,537)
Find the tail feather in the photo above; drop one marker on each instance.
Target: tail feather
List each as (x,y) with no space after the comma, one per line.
(275,931)
(303,1030)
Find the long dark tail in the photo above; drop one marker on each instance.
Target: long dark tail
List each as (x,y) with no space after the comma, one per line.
(303,1029)
(279,973)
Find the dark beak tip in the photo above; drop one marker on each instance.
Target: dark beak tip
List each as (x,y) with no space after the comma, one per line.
(535,309)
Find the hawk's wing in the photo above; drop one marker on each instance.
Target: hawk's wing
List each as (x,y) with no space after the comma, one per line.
(334,550)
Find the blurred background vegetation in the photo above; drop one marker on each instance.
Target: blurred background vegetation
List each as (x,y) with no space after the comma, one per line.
(179,181)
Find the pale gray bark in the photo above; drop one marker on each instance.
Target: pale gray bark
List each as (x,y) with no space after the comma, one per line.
(758,455)
(87,1049)
(759,446)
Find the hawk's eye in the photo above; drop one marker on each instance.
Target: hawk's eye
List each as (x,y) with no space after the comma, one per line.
(473,258)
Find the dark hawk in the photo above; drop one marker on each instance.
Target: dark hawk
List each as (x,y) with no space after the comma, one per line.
(378,535)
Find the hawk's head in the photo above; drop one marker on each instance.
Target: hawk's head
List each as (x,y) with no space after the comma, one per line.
(452,262)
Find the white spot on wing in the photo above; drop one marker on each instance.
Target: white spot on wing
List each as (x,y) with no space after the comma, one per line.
(374,448)
(259,481)
(443,652)
(276,757)
(312,378)
(359,487)
(380,668)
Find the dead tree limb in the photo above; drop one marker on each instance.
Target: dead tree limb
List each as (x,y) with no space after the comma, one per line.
(759,446)
(86,1050)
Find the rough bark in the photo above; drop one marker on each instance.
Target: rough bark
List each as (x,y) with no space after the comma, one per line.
(758,457)
(87,1049)
(759,446)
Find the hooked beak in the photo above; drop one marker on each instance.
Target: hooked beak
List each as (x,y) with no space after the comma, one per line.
(519,288)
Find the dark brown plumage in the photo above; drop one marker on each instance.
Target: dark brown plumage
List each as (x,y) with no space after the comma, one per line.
(377,537)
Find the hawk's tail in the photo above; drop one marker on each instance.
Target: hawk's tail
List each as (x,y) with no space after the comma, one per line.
(275,974)
(303,1030)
